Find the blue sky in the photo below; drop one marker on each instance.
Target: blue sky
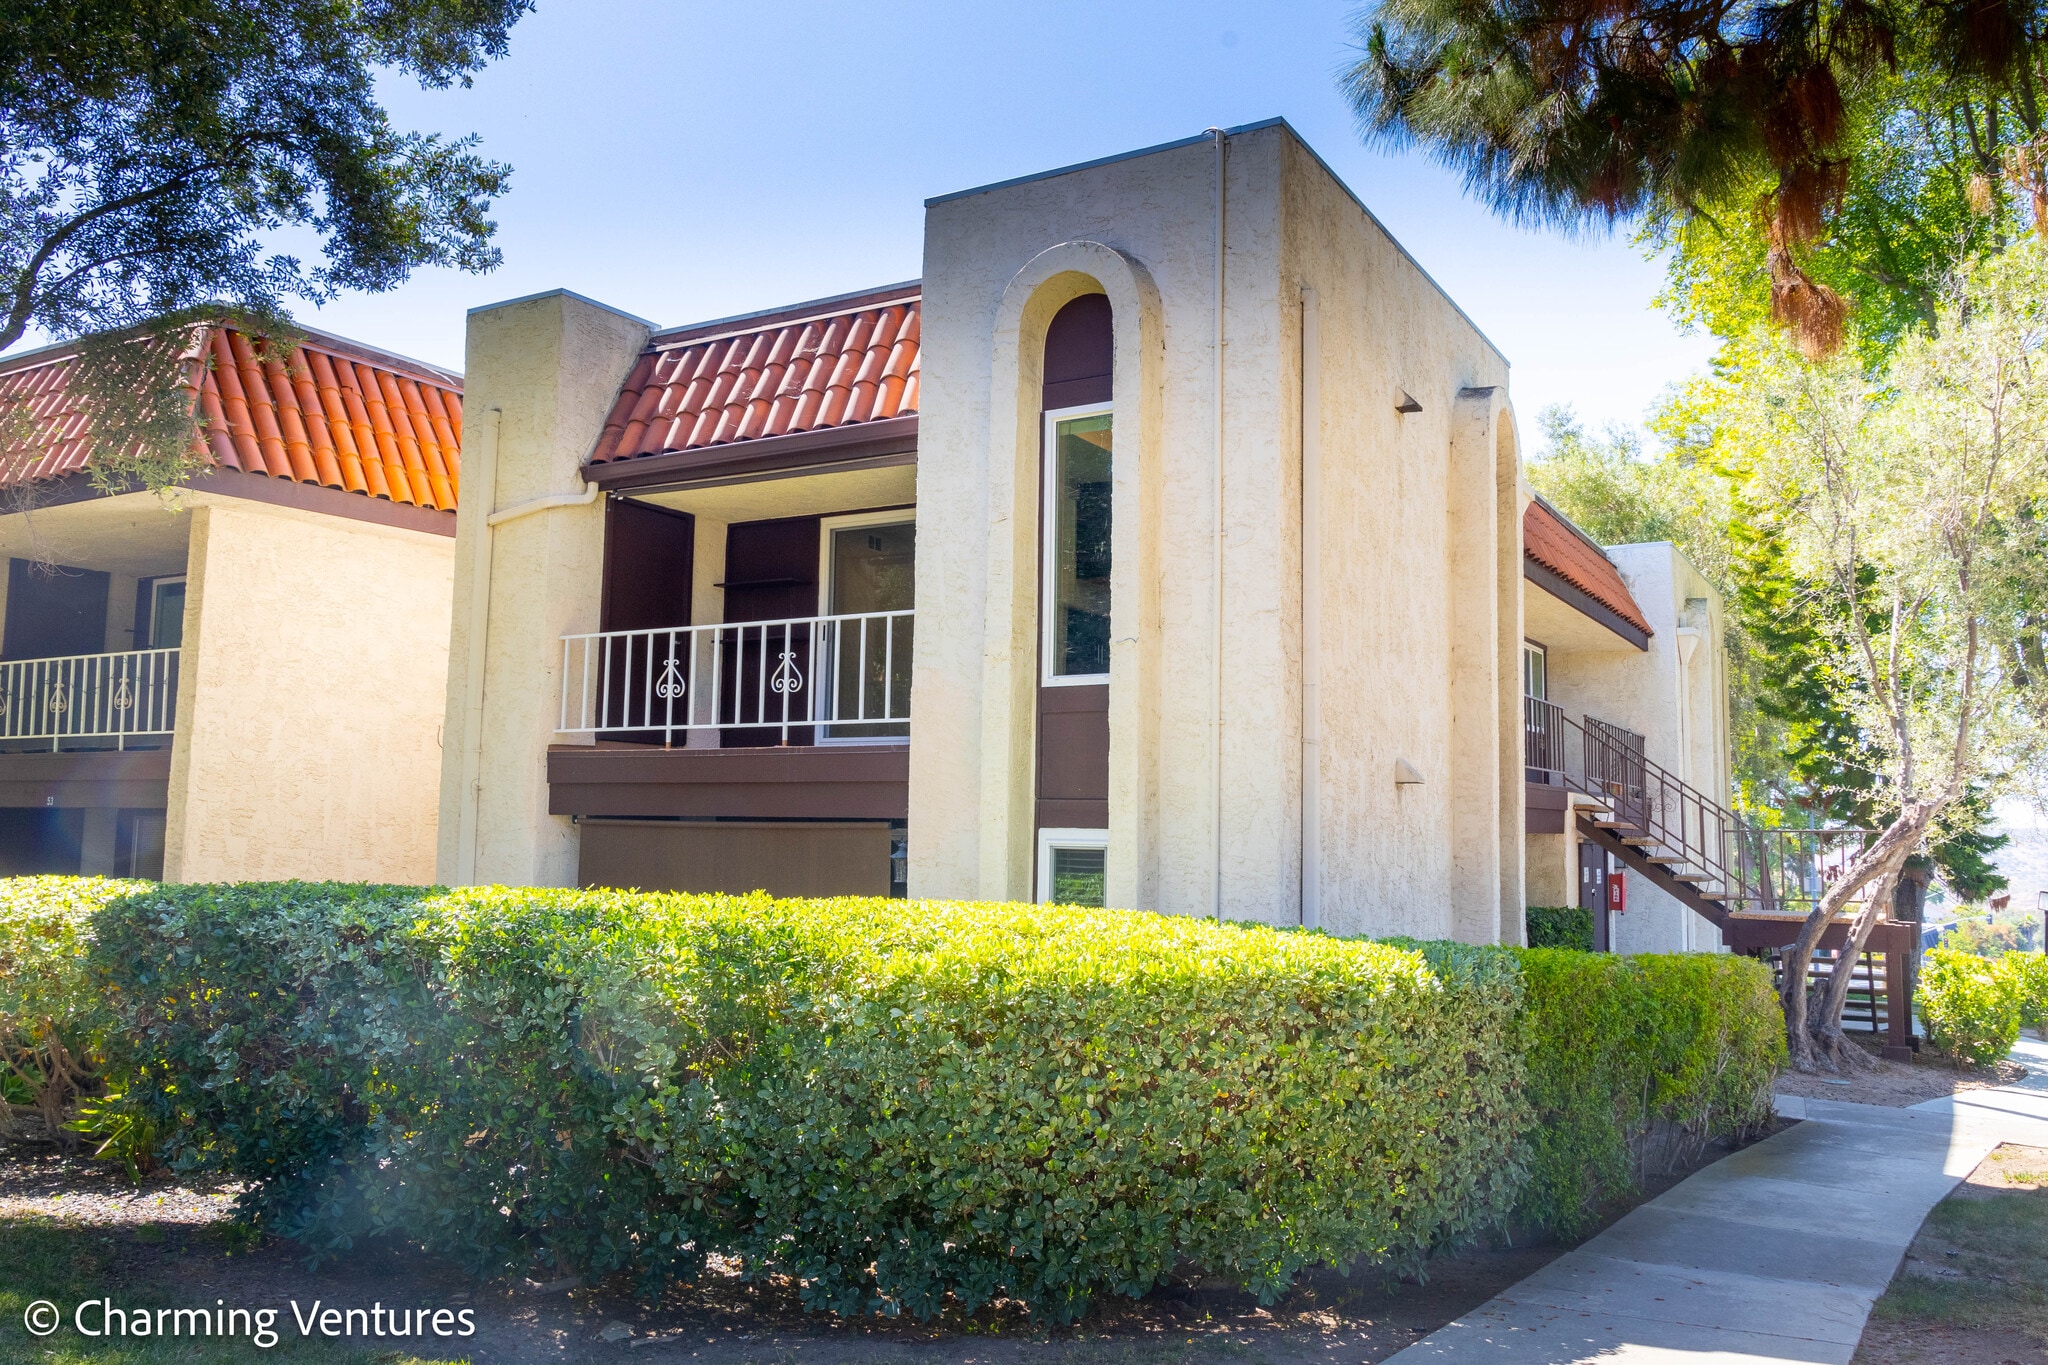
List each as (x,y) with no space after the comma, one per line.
(685,161)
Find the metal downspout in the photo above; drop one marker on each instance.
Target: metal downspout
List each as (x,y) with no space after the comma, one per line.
(485,482)
(1311,610)
(1216,565)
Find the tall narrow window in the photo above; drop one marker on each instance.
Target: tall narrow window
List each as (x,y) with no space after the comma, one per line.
(1535,670)
(1077,546)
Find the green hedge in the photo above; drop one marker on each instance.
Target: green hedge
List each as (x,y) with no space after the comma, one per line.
(1559,926)
(1622,1046)
(2026,975)
(50,1020)
(892,1102)
(1973,1006)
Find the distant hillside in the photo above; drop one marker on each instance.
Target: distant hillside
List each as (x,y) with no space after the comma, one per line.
(2024,862)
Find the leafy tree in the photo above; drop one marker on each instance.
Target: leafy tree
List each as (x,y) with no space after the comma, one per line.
(1843,148)
(149,148)
(1994,935)
(1619,495)
(1903,511)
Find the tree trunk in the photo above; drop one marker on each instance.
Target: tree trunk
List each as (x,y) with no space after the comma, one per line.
(1824,1019)
(1878,863)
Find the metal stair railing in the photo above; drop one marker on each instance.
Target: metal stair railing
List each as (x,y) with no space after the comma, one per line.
(1684,839)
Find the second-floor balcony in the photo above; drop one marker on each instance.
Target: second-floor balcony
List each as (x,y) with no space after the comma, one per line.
(809,680)
(89,701)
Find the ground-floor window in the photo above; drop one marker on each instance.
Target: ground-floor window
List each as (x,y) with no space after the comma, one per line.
(1070,866)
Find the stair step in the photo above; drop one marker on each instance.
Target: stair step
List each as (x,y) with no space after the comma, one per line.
(1638,841)
(1664,858)
(1696,877)
(1614,824)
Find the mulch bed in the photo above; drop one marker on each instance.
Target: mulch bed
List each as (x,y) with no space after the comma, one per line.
(171,1233)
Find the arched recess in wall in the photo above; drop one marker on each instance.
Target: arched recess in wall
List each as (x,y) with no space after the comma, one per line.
(1076,562)
(1021,388)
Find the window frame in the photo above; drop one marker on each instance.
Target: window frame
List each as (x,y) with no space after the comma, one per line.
(1051,838)
(156,587)
(828,526)
(1542,651)
(1048,472)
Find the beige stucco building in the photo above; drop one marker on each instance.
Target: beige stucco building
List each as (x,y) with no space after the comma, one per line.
(240,679)
(1161,546)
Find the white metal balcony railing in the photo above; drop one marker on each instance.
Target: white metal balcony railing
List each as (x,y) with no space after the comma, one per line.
(89,698)
(809,679)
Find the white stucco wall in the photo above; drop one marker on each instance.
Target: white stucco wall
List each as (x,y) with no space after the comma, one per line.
(309,698)
(541,374)
(997,265)
(1675,694)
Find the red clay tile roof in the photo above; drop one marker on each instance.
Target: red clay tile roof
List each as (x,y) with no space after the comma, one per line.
(331,414)
(1563,549)
(802,369)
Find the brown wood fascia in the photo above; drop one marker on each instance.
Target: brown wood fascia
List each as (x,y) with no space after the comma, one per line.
(892,441)
(264,488)
(1583,602)
(1758,933)
(1544,807)
(132,779)
(826,781)
(318,497)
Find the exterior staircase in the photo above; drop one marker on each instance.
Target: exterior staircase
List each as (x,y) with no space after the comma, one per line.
(1755,885)
(1672,834)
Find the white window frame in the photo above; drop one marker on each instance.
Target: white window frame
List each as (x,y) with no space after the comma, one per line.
(155,586)
(1048,508)
(1052,838)
(894,516)
(1544,650)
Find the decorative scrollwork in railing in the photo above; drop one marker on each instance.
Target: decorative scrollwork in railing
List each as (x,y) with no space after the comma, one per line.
(89,700)
(671,687)
(807,678)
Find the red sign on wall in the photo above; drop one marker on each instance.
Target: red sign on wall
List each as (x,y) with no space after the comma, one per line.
(1617,893)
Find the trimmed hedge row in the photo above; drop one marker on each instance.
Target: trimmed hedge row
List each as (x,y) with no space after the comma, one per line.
(1974,1007)
(892,1102)
(1624,1050)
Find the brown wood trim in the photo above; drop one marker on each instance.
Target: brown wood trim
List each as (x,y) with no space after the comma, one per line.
(873,444)
(1583,602)
(236,483)
(1055,814)
(318,497)
(827,781)
(1544,807)
(133,778)
(1759,933)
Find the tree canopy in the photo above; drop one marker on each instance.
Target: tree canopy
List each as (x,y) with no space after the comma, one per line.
(1899,510)
(1844,155)
(149,147)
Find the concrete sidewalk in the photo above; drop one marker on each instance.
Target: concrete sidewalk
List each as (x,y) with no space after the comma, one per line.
(1774,1254)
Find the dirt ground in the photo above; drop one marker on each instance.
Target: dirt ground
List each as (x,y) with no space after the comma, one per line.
(1973,1289)
(168,1242)
(1899,1084)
